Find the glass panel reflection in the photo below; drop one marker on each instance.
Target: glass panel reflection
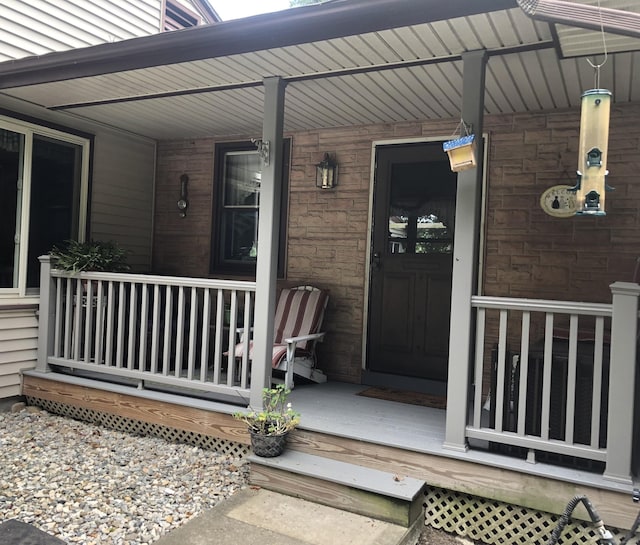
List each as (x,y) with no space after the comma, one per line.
(422,211)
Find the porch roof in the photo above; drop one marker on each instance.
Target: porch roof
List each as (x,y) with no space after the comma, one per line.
(347,62)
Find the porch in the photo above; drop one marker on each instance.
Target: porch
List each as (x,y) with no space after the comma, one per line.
(339,424)
(160,349)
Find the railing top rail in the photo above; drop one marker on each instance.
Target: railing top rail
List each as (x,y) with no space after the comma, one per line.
(161,280)
(541,305)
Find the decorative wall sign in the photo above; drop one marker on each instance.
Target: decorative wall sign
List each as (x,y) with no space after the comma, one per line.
(559,201)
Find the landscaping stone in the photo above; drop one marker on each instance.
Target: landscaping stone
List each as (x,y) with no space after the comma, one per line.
(87,484)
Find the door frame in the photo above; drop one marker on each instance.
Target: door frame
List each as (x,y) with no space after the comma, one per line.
(367,266)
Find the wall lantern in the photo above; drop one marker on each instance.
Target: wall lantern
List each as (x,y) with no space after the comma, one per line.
(183,203)
(592,153)
(327,173)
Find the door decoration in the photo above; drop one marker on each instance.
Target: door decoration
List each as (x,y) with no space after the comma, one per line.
(559,201)
(461,150)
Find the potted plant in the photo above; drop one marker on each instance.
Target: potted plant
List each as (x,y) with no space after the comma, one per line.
(94,255)
(269,428)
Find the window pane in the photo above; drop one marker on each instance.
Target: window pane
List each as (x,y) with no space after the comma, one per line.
(242,179)
(421,213)
(55,199)
(11,161)
(234,233)
(240,235)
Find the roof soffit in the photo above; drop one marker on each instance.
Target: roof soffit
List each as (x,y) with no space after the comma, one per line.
(314,23)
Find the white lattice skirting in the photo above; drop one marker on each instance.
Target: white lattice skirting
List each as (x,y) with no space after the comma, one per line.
(494,522)
(138,427)
(472,517)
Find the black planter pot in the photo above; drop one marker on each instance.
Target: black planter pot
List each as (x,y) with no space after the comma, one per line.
(268,446)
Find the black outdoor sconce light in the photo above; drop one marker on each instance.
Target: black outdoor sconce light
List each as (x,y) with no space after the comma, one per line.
(327,172)
(183,203)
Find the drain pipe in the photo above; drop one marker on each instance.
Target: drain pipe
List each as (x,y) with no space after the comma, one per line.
(615,21)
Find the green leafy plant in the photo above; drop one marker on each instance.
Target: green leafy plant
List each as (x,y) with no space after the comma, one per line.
(95,255)
(277,416)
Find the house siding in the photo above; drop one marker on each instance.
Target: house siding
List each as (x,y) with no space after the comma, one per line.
(527,253)
(38,27)
(122,194)
(531,254)
(121,202)
(18,348)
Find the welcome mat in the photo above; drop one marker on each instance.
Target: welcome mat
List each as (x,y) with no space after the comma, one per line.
(404,396)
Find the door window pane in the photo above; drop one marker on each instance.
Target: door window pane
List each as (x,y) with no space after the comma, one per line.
(55,199)
(422,209)
(11,161)
(43,181)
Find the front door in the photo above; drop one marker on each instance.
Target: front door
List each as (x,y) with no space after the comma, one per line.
(411,265)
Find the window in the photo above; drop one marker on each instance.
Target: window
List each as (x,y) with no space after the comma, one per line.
(236,206)
(177,16)
(43,195)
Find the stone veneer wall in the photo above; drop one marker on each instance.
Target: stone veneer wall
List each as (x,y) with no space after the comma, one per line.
(527,253)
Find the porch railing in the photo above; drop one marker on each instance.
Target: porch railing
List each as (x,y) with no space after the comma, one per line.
(554,377)
(151,330)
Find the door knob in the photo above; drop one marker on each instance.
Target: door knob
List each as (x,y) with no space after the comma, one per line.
(376,260)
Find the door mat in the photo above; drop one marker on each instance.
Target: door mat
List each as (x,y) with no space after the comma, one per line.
(404,396)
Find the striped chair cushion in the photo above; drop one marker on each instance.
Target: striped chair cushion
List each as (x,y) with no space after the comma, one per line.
(299,312)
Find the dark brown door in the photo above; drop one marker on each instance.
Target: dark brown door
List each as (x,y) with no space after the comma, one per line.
(410,297)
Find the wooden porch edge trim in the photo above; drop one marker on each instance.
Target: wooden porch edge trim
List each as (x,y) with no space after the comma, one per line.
(537,492)
(163,413)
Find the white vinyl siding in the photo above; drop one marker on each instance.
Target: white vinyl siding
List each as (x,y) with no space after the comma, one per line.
(38,27)
(122,194)
(18,348)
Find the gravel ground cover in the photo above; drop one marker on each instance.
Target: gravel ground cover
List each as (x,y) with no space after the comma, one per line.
(91,485)
(87,484)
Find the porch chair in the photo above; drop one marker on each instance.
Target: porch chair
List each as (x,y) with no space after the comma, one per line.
(297,322)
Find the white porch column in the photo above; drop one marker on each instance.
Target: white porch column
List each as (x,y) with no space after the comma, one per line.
(465,257)
(46,313)
(622,374)
(268,234)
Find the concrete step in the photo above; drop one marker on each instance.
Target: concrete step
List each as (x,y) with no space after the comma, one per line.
(377,494)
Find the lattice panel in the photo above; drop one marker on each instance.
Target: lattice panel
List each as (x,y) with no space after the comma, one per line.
(500,523)
(137,427)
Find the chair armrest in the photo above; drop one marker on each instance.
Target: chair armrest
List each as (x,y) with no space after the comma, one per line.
(240,332)
(303,338)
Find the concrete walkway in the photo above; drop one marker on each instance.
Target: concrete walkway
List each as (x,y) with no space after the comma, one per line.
(261,517)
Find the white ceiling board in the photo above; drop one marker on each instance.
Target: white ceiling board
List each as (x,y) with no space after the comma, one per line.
(502,87)
(516,82)
(554,78)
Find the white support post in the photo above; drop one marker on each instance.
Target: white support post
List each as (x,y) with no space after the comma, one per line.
(46,314)
(268,237)
(465,257)
(622,373)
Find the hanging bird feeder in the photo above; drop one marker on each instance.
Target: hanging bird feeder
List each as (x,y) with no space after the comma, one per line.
(462,150)
(592,155)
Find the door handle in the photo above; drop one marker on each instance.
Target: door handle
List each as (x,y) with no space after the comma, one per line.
(376,261)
